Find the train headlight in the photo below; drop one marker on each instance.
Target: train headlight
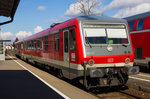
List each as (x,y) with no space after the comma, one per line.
(127,61)
(91,62)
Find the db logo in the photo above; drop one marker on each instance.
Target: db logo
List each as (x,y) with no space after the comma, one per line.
(110,60)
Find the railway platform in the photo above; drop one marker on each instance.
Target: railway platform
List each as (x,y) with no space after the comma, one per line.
(19,80)
(18,83)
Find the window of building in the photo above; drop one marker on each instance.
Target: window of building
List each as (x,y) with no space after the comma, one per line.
(131,24)
(72,40)
(57,44)
(140,24)
(46,43)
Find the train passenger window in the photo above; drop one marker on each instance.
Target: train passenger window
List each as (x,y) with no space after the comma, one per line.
(66,41)
(26,45)
(131,23)
(72,40)
(57,44)
(140,24)
(38,44)
(29,44)
(46,43)
(34,44)
(41,43)
(21,46)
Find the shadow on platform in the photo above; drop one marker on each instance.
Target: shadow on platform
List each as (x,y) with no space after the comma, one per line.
(10,59)
(21,84)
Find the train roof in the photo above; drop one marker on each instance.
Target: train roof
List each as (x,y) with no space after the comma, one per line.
(80,18)
(100,18)
(142,15)
(38,35)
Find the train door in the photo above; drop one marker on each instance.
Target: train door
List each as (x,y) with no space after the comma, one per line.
(139,52)
(66,53)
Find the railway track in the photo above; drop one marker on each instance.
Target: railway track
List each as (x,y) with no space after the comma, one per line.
(114,93)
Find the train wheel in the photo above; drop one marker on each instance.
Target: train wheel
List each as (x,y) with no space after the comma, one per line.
(149,65)
(27,60)
(59,73)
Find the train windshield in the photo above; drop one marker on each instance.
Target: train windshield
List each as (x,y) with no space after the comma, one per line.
(105,34)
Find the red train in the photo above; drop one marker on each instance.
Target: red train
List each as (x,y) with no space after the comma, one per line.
(140,34)
(96,51)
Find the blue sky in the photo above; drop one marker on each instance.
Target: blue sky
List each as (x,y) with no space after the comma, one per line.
(33,16)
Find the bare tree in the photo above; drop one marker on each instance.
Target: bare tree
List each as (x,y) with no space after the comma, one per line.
(87,7)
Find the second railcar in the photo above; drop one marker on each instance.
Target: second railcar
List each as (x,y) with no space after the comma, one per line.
(140,34)
(96,51)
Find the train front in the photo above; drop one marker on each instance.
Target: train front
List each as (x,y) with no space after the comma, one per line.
(108,53)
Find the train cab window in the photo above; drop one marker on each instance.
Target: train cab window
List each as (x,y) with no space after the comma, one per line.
(140,24)
(95,35)
(117,36)
(131,24)
(57,44)
(105,34)
(46,43)
(72,40)
(34,44)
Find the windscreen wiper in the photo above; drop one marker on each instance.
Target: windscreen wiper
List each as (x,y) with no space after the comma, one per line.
(87,40)
(124,45)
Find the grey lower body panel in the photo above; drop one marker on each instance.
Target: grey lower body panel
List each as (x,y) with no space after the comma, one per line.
(67,72)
